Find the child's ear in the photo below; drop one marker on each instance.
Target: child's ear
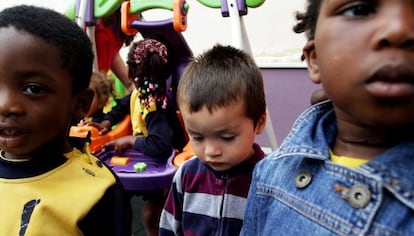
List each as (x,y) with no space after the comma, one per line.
(261,123)
(82,104)
(310,55)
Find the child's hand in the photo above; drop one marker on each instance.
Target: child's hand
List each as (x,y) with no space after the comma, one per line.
(122,143)
(103,127)
(82,123)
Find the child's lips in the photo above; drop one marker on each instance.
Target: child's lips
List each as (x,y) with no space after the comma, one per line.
(218,166)
(10,137)
(390,89)
(392,82)
(10,132)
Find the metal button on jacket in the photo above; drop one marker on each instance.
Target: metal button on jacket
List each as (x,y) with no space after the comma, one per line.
(359,196)
(303,179)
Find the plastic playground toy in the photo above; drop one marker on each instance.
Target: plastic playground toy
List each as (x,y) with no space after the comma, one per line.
(135,170)
(240,3)
(183,156)
(140,166)
(120,161)
(127,18)
(157,173)
(178,7)
(123,128)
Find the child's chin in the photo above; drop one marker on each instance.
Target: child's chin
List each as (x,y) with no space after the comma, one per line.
(218,166)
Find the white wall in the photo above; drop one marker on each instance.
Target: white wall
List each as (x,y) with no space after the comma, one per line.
(269,28)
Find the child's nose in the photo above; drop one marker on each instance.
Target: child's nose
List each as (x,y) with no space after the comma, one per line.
(397,28)
(212,149)
(9,105)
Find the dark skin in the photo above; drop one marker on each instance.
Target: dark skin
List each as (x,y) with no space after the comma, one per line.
(367,70)
(318,96)
(33,84)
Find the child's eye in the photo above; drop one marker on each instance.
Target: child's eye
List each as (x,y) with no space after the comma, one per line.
(357,10)
(228,138)
(197,138)
(34,89)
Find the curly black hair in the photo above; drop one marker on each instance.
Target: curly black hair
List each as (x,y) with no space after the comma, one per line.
(306,22)
(60,31)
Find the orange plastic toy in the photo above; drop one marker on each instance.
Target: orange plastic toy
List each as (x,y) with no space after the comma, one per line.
(186,154)
(123,128)
(120,161)
(127,18)
(180,9)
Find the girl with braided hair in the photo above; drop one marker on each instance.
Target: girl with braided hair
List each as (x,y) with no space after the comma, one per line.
(153,120)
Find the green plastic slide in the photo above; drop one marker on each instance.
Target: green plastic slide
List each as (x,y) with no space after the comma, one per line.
(102,8)
(138,6)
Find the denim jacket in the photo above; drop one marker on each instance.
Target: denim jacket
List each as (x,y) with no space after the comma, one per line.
(297,190)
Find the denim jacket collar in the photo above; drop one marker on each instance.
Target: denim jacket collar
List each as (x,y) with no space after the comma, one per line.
(313,133)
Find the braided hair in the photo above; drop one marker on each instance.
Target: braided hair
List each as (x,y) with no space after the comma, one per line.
(147,68)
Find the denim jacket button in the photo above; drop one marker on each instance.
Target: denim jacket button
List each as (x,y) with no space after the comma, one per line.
(359,196)
(303,179)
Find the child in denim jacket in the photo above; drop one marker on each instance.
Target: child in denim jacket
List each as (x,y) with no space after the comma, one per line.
(346,166)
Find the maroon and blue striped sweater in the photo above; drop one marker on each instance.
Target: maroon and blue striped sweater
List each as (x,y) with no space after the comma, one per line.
(204,202)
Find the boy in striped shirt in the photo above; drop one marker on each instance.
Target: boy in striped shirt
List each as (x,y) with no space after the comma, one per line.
(222,102)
